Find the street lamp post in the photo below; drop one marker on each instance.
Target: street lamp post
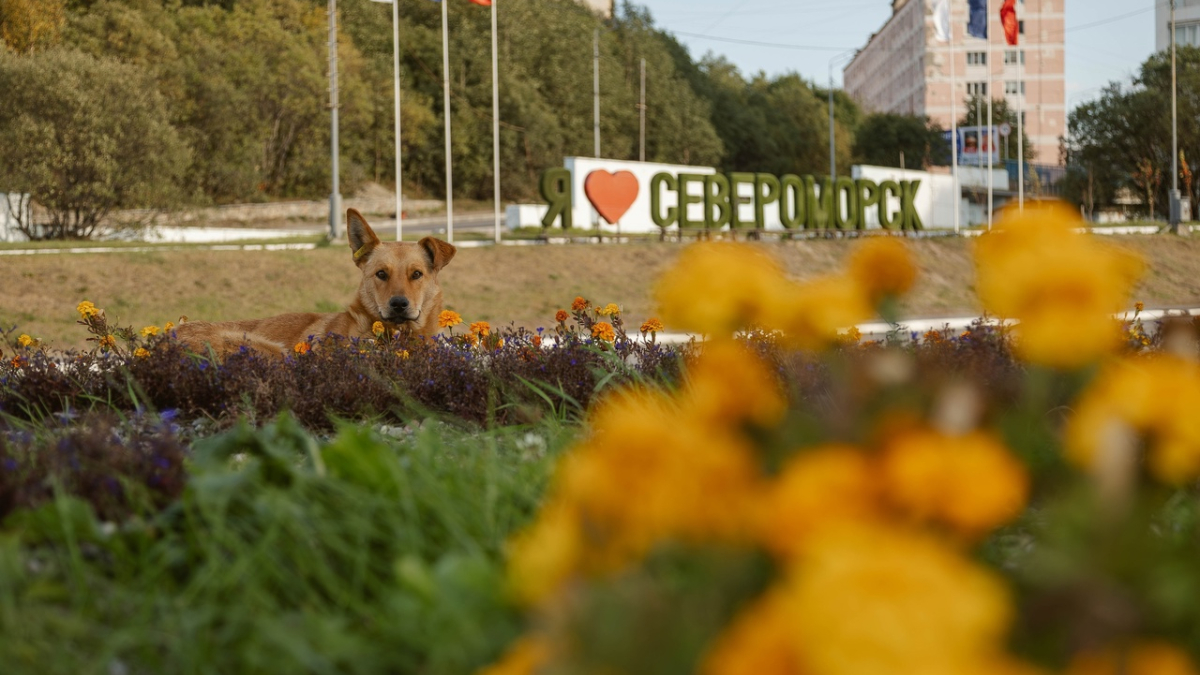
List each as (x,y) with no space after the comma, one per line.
(1176,205)
(832,148)
(335,197)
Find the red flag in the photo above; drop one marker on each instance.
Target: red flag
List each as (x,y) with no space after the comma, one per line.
(1008,18)
(485,3)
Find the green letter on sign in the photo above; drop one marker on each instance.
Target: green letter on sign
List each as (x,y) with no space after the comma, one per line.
(762,197)
(889,221)
(868,196)
(716,195)
(793,202)
(555,187)
(686,198)
(845,220)
(657,183)
(908,196)
(736,200)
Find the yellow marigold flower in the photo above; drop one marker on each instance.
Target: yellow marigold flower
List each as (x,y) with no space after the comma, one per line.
(1146,658)
(1062,286)
(526,656)
(874,599)
(403,353)
(882,266)
(141,352)
(378,329)
(816,488)
(561,315)
(933,336)
(610,309)
(16,362)
(481,328)
(852,336)
(727,384)
(603,330)
(86,309)
(546,554)
(448,319)
(301,348)
(652,325)
(149,330)
(969,482)
(168,326)
(810,314)
(536,341)
(1156,397)
(108,342)
(1138,306)
(579,303)
(24,340)
(759,641)
(650,472)
(472,339)
(719,288)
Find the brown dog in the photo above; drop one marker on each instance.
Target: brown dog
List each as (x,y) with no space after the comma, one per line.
(399,288)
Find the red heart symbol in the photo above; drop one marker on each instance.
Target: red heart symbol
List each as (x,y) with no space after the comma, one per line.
(611,193)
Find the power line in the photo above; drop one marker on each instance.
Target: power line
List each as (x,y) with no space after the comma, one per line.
(757,43)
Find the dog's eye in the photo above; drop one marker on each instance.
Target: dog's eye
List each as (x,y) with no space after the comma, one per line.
(382,275)
(416,275)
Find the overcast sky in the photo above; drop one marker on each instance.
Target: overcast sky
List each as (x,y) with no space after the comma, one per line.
(1106,39)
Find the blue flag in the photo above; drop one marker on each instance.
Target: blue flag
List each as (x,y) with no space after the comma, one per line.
(977,23)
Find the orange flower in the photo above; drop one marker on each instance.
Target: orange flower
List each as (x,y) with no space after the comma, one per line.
(561,315)
(378,329)
(301,348)
(481,328)
(579,303)
(141,352)
(471,338)
(652,325)
(603,330)
(608,310)
(168,326)
(16,362)
(149,330)
(537,340)
(108,342)
(449,319)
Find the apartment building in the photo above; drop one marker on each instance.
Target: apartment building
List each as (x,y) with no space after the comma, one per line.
(904,69)
(1187,24)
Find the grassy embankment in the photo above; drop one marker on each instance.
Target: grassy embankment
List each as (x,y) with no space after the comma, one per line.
(522,285)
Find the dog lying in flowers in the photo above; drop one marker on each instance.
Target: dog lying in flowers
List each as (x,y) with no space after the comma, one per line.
(399,288)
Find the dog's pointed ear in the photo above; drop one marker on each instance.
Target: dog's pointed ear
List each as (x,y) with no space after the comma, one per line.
(439,252)
(362,237)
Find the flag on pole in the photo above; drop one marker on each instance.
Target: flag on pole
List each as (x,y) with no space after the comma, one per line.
(977,21)
(485,3)
(1008,18)
(941,20)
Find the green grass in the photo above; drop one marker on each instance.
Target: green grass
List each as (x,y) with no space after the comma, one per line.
(361,554)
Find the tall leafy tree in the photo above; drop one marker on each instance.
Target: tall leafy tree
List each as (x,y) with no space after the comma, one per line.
(883,137)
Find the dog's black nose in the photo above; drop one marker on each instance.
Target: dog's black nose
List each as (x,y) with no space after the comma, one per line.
(398,304)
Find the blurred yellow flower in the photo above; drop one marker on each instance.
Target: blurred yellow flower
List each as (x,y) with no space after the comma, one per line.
(525,657)
(579,303)
(759,641)
(301,348)
(869,600)
(471,338)
(24,340)
(729,385)
(1157,397)
(448,319)
(378,329)
(544,555)
(107,342)
(149,330)
(603,330)
(819,487)
(811,313)
(608,310)
(970,482)
(481,328)
(652,325)
(1138,306)
(1146,658)
(719,288)
(168,326)
(561,315)
(1062,286)
(141,352)
(403,353)
(882,266)
(86,309)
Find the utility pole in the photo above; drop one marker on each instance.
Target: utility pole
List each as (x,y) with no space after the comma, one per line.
(335,198)
(642,117)
(1176,206)
(446,113)
(596,89)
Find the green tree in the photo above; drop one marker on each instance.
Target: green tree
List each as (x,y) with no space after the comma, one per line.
(883,137)
(87,136)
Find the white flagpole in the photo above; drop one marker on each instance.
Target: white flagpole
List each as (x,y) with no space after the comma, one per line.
(991,136)
(1020,128)
(446,112)
(495,122)
(954,130)
(396,68)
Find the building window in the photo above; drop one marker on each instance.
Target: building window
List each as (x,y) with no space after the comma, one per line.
(1011,88)
(1021,27)
(977,88)
(1187,34)
(976,58)
(1012,55)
